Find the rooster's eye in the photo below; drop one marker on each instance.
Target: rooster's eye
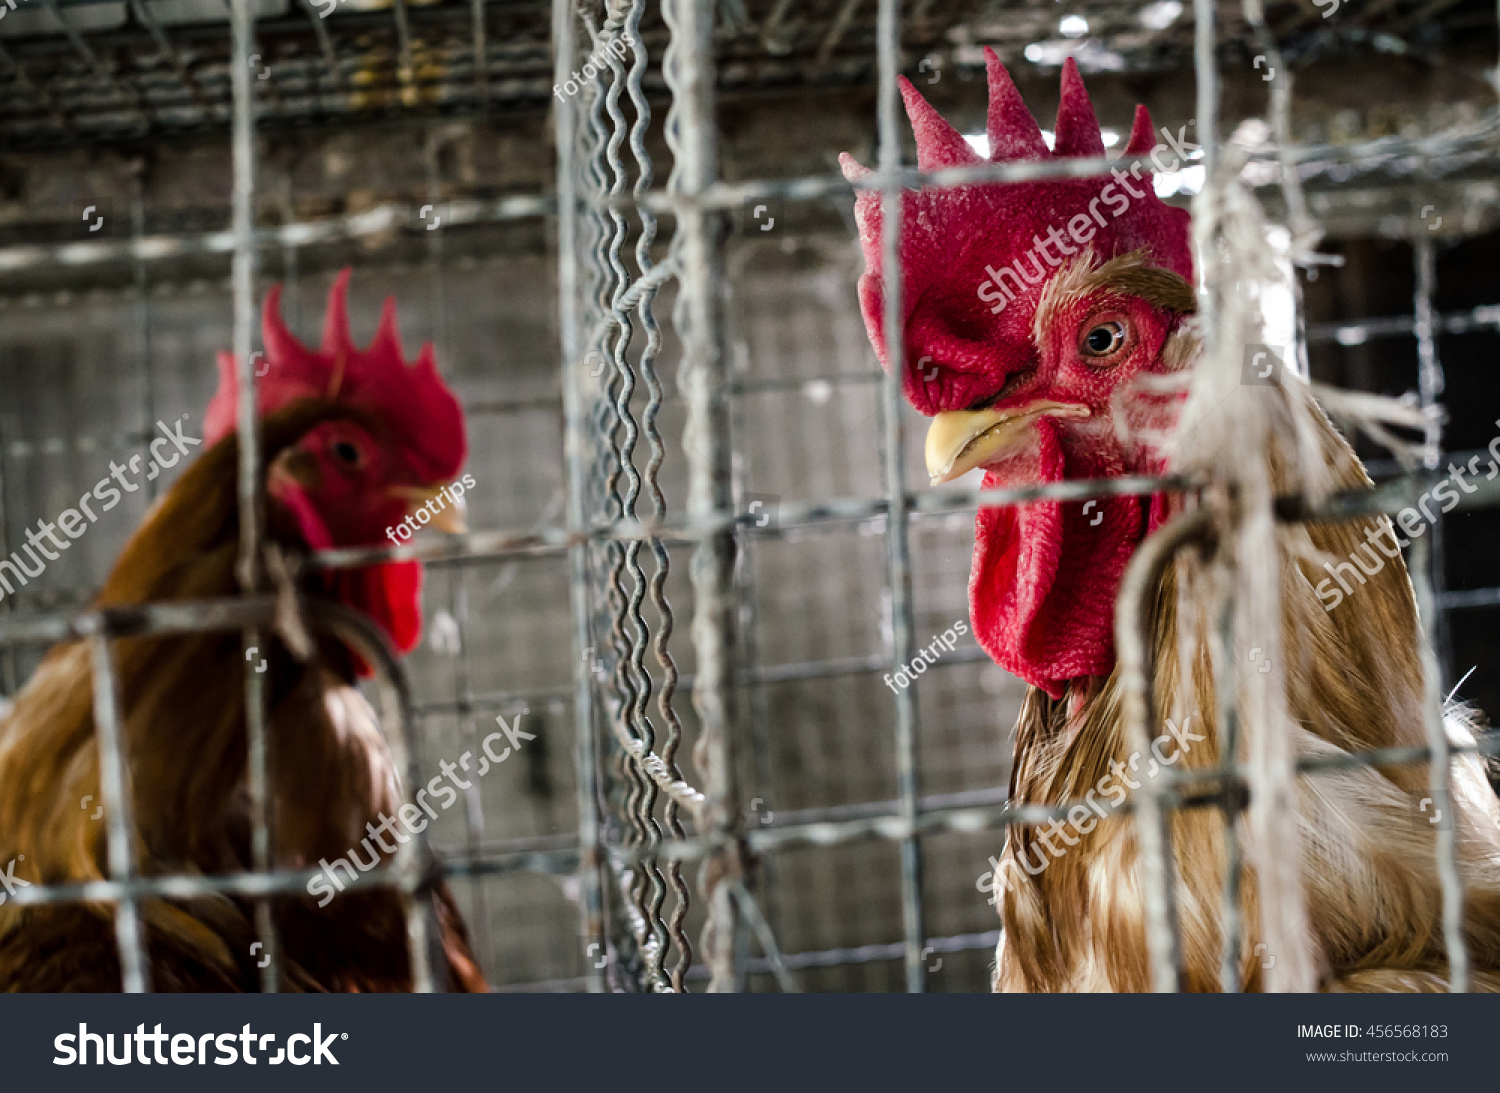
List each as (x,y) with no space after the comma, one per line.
(1103,339)
(346,452)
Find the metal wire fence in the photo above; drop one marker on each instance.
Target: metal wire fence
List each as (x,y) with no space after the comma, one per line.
(674,873)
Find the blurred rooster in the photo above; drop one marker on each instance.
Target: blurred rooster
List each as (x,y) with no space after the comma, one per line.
(352,440)
(1034,314)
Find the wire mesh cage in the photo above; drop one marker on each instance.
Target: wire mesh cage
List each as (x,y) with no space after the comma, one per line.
(700,570)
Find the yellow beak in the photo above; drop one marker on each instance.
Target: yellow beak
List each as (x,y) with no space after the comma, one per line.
(446,511)
(960,440)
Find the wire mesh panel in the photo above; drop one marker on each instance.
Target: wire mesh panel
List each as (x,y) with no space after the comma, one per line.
(700,569)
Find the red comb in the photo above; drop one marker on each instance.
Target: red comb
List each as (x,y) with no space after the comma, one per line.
(425,420)
(951,236)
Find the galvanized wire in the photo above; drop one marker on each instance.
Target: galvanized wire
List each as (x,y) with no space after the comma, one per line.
(590,866)
(1431,383)
(620,386)
(703,377)
(251,499)
(605,530)
(898,545)
(119,813)
(665,619)
(638,735)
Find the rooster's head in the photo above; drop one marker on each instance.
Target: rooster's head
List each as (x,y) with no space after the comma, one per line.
(349,479)
(1028,310)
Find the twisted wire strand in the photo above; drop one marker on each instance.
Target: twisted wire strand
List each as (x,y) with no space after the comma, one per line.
(629,778)
(630,629)
(651,891)
(597,289)
(645,179)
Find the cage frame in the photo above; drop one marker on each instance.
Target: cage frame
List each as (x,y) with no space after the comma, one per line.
(710,524)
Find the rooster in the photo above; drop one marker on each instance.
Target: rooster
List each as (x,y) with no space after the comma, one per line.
(1037,318)
(352,440)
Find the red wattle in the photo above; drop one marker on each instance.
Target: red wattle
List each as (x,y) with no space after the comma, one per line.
(389,593)
(1045,575)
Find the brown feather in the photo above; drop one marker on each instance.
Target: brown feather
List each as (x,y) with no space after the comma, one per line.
(1353,683)
(184,737)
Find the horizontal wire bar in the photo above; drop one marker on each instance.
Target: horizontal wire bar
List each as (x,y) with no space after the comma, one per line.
(303,233)
(1457,599)
(551,540)
(792,672)
(1387,497)
(1307,157)
(816,958)
(967,811)
(869,954)
(720,195)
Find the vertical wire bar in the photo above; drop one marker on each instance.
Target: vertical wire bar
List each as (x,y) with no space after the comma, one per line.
(651,884)
(585,743)
(119,812)
(1431,383)
(672,134)
(767,876)
(605,471)
(628,627)
(1229,761)
(1153,824)
(481,56)
(9,672)
(706,443)
(1143,576)
(670,933)
(142,310)
(291,294)
(888,36)
(1439,780)
(463,693)
(1205,34)
(242,21)
(405,71)
(325,44)
(1427,581)
(414,858)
